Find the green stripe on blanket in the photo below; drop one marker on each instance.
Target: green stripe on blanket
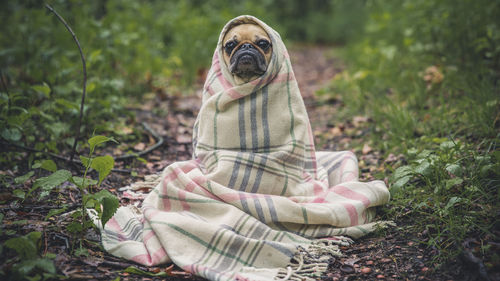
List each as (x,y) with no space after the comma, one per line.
(257,202)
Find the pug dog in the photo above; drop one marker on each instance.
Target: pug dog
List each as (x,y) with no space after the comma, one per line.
(247,51)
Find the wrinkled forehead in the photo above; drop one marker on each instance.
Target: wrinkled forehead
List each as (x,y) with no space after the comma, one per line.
(246,31)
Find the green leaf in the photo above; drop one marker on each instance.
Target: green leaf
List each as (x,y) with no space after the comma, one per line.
(453,182)
(49,165)
(135,270)
(496,154)
(50,255)
(54,212)
(34,236)
(74,227)
(85,161)
(48,183)
(19,193)
(25,247)
(44,89)
(487,168)
(103,165)
(401,182)
(452,202)
(412,152)
(454,169)
(96,140)
(78,181)
(424,168)
(24,178)
(20,222)
(82,252)
(109,204)
(67,104)
(402,171)
(12,135)
(447,145)
(424,154)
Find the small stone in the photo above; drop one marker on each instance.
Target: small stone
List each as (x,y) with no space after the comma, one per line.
(385,260)
(366,270)
(380,276)
(369,262)
(410,243)
(425,269)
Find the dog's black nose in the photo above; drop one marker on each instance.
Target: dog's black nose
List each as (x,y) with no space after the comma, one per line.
(246,46)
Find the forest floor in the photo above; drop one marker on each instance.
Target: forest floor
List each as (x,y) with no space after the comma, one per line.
(394,254)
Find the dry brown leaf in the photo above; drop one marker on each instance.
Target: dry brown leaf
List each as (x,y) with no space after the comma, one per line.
(140,146)
(366,149)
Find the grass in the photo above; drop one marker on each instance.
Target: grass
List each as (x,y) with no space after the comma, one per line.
(445,121)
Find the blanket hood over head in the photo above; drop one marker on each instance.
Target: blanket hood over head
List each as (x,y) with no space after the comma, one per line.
(257,201)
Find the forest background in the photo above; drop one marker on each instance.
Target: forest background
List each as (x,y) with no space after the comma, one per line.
(425,72)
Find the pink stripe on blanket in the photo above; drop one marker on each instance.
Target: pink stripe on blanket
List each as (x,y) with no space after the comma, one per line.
(318,188)
(148,235)
(226,84)
(319,199)
(149,260)
(199,181)
(172,176)
(284,77)
(280,78)
(353,213)
(350,194)
(182,198)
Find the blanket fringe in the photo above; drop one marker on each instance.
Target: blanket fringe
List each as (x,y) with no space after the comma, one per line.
(309,264)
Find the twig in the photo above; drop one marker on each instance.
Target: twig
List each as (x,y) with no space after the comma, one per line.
(120,264)
(159,142)
(36,150)
(22,207)
(84,66)
(4,84)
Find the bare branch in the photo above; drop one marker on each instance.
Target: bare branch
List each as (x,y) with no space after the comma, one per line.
(84,87)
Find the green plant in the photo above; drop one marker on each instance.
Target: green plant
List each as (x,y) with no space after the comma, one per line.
(28,264)
(451,192)
(103,202)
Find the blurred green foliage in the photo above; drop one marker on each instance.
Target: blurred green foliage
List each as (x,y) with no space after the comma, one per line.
(426,67)
(427,72)
(131,47)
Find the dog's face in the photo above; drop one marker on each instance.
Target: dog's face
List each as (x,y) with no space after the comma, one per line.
(247,51)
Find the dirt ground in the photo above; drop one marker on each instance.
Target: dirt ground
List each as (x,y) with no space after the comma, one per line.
(394,254)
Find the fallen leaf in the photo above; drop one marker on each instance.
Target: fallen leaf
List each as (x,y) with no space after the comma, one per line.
(140,146)
(366,149)
(366,270)
(336,131)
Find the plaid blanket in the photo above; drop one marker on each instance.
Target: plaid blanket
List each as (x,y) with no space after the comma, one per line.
(256,202)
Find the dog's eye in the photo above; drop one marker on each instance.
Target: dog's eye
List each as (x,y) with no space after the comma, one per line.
(263,44)
(229,47)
